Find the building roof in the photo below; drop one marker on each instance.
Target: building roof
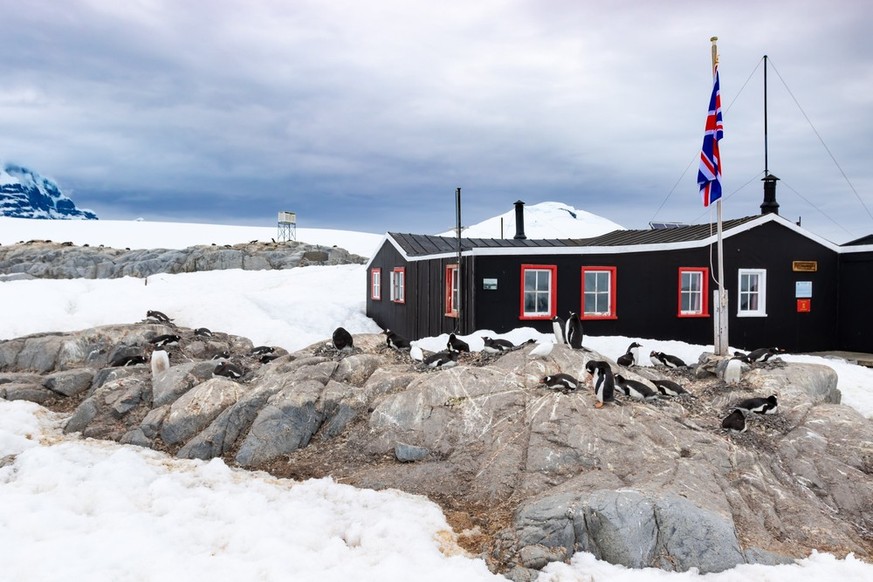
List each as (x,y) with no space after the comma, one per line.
(423,245)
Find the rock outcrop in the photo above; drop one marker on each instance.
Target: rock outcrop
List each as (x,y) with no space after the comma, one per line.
(51,260)
(527,475)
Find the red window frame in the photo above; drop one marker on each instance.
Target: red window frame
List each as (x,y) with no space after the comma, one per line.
(451,279)
(401,272)
(704,302)
(553,292)
(376,284)
(613,283)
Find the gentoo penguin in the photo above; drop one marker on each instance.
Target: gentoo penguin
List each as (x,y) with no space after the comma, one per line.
(202,332)
(660,358)
(261,350)
(342,339)
(416,353)
(742,357)
(228,370)
(630,356)
(735,421)
(634,389)
(496,346)
(443,359)
(127,360)
(160,362)
(759,405)
(764,354)
(396,341)
(542,350)
(267,358)
(558,330)
(604,382)
(733,370)
(157,315)
(221,356)
(671,388)
(455,344)
(165,340)
(573,331)
(563,382)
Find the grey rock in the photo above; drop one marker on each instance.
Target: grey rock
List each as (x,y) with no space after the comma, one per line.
(194,410)
(24,391)
(171,384)
(81,417)
(69,382)
(285,424)
(409,453)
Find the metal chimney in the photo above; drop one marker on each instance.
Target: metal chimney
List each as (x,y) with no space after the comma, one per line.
(769,205)
(519,220)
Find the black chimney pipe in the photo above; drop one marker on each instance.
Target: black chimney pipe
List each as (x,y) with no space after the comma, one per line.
(769,205)
(519,220)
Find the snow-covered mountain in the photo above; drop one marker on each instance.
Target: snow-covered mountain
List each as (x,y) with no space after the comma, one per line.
(543,220)
(26,194)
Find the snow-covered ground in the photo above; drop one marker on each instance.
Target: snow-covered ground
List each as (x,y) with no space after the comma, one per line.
(83,509)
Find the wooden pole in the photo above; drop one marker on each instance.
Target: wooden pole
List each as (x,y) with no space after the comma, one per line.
(721,338)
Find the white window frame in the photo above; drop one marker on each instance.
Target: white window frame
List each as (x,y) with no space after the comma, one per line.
(376,284)
(398,285)
(761,292)
(548,291)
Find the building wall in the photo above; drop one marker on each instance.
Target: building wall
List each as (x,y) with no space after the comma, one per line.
(856,305)
(423,313)
(647,293)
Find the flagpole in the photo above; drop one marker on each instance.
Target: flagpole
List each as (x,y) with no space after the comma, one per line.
(720,342)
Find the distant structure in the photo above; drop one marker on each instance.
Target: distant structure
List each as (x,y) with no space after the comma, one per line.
(287,226)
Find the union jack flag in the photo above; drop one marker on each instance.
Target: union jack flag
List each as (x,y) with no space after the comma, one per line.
(709,173)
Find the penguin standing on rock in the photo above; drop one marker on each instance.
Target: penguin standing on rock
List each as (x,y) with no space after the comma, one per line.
(573,331)
(558,330)
(342,339)
(455,344)
(396,341)
(604,382)
(634,389)
(202,332)
(563,382)
(262,350)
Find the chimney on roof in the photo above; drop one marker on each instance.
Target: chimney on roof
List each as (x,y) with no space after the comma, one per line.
(769,205)
(519,220)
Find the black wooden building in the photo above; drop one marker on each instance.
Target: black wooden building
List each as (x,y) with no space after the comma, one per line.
(786,286)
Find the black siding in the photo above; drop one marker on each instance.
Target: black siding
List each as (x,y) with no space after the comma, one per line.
(856,305)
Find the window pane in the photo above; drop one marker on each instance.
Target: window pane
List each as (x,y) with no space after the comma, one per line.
(530,280)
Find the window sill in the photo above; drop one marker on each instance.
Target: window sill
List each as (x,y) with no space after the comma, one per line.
(755,314)
(545,317)
(692,315)
(596,317)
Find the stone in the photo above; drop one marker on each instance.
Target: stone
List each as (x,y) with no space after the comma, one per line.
(194,410)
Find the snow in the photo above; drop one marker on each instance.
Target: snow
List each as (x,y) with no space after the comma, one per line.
(543,220)
(84,509)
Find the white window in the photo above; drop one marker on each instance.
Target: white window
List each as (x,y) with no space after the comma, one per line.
(398,285)
(598,293)
(752,295)
(693,291)
(376,284)
(538,291)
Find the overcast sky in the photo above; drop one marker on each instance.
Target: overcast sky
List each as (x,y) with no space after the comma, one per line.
(368,115)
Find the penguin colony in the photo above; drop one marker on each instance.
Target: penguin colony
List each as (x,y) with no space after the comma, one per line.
(598,373)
